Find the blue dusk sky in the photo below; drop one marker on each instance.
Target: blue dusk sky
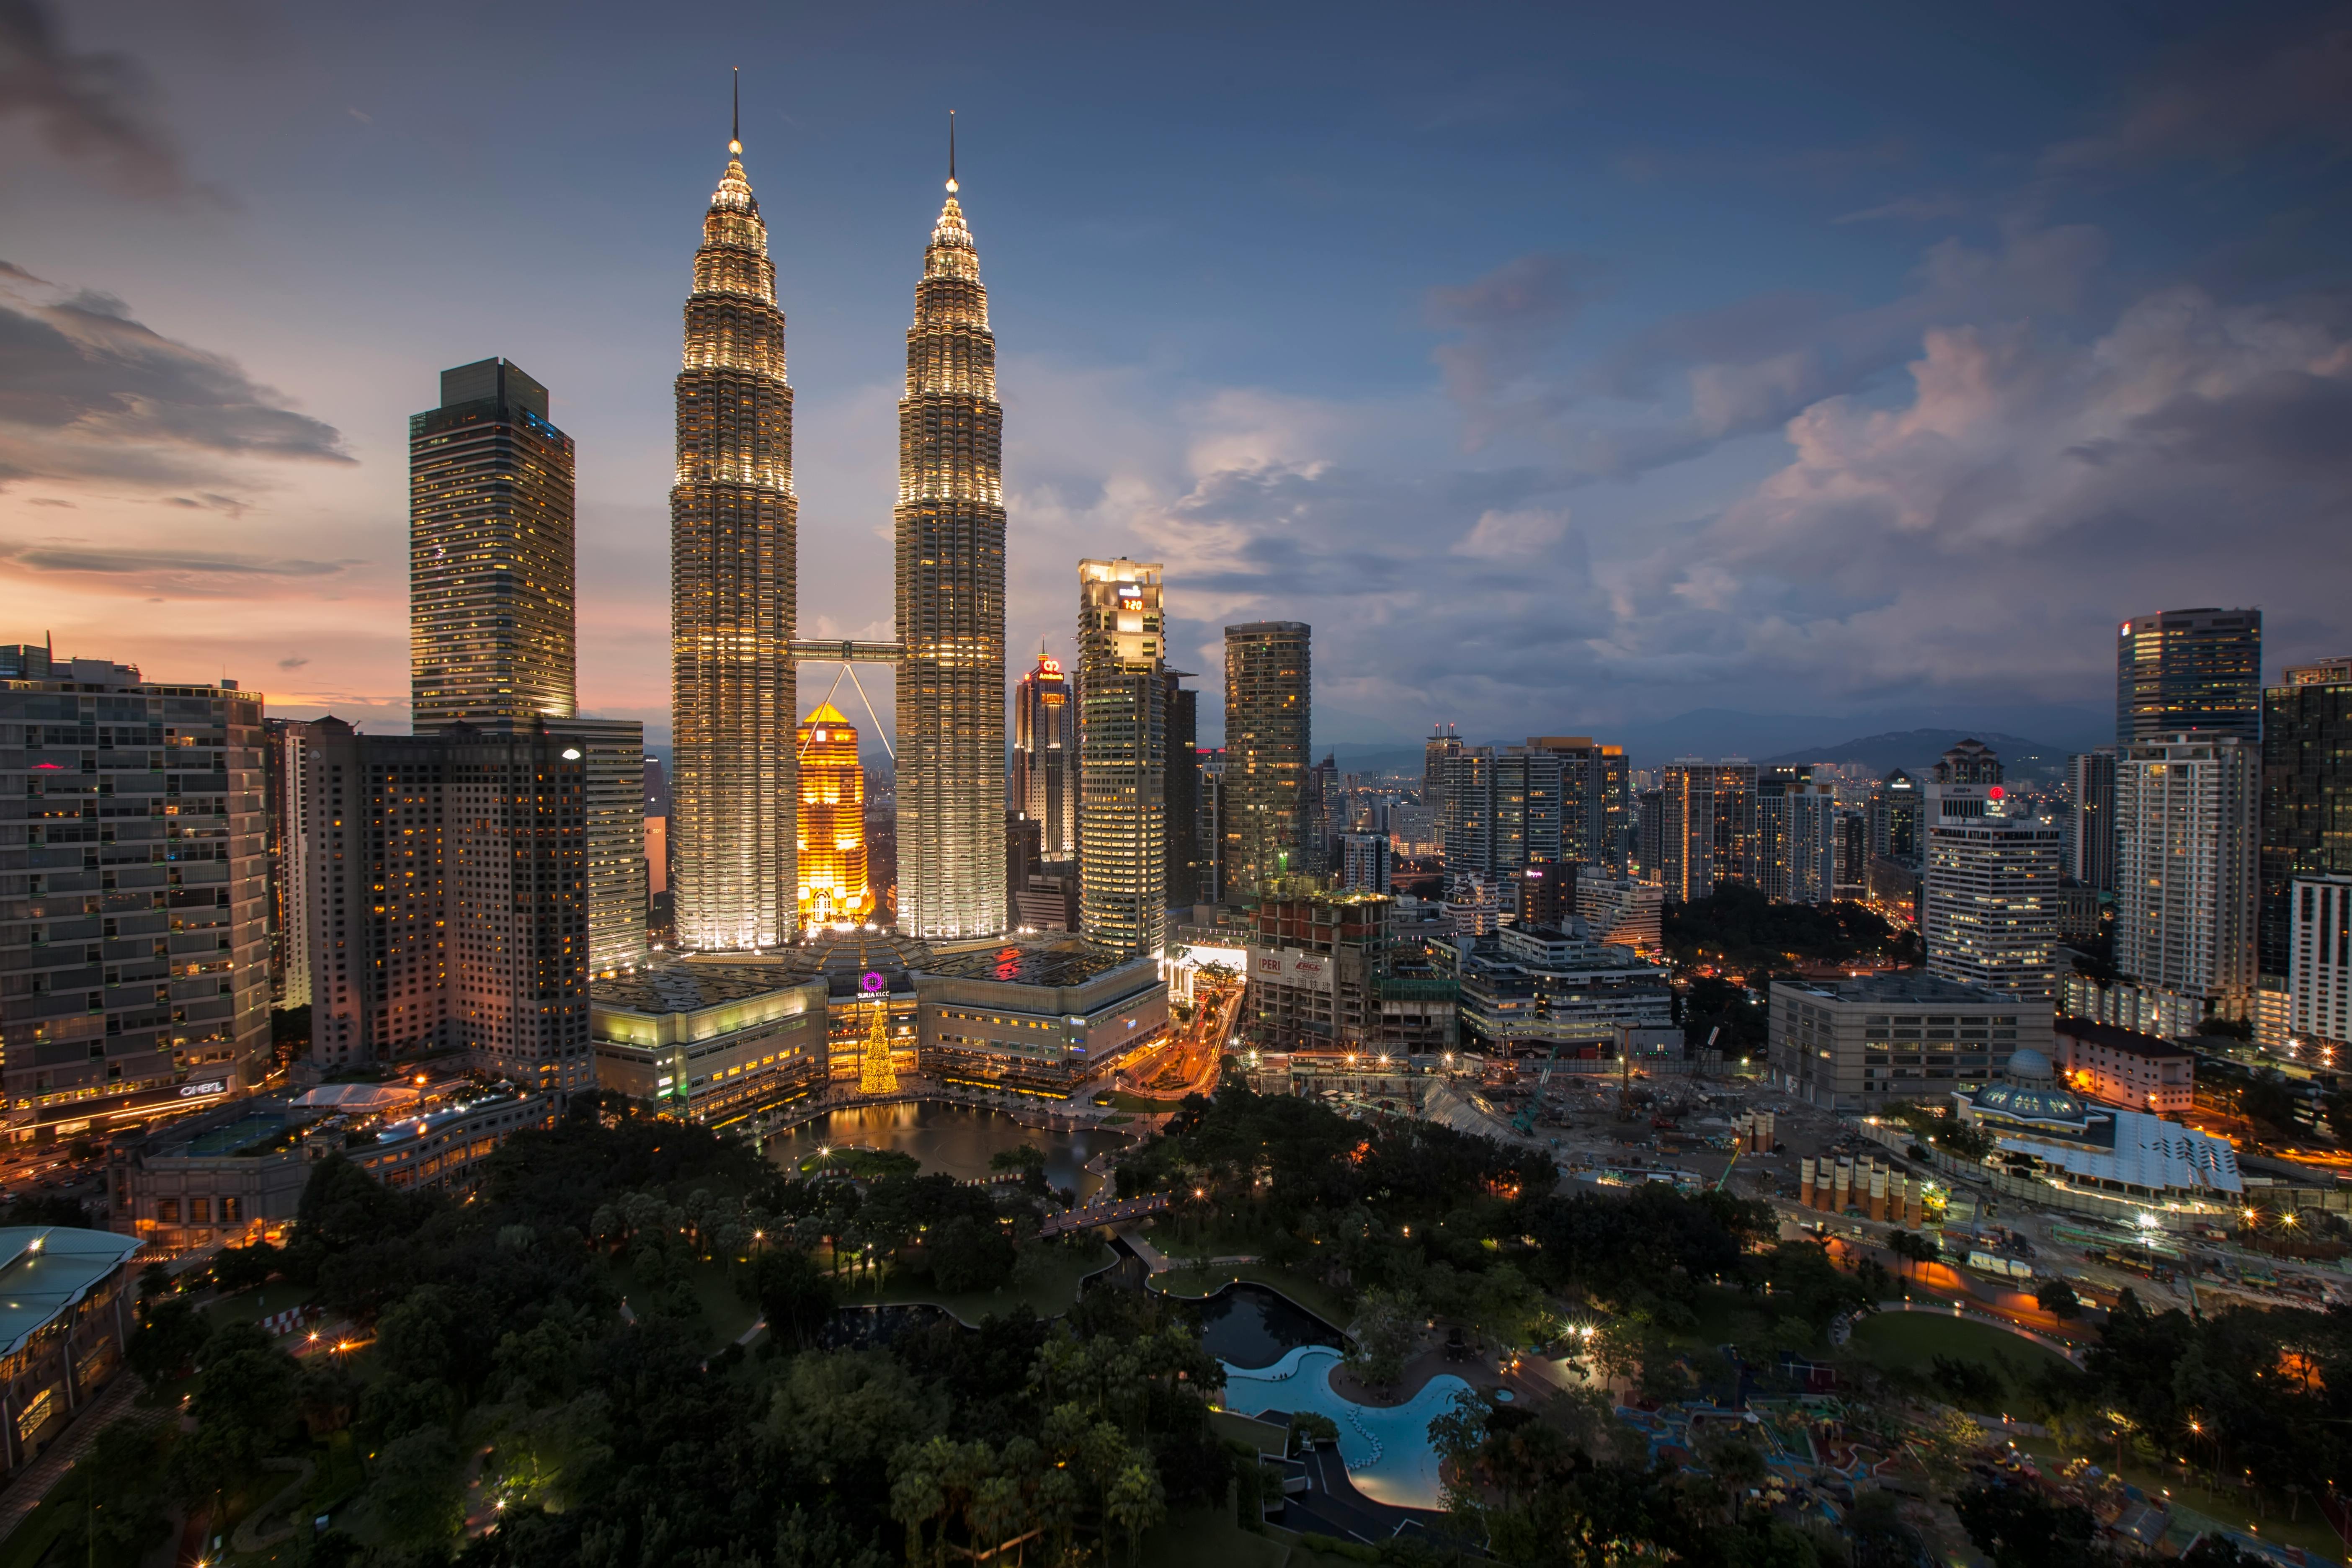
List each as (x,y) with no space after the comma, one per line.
(1569,368)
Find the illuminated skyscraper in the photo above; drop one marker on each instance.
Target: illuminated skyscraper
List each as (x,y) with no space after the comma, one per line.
(1044,751)
(834,885)
(2183,671)
(1122,755)
(490,552)
(732,608)
(1268,726)
(951,601)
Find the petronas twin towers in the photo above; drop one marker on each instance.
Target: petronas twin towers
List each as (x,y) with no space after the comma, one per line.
(734,538)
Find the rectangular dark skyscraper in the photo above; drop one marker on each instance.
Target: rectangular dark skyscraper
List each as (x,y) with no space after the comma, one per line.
(490,552)
(1269,693)
(2181,670)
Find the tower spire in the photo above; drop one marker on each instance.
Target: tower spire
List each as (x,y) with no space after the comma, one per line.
(951,179)
(735,123)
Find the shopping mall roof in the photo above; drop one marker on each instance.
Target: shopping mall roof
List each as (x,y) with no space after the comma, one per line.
(1067,961)
(44,1269)
(678,988)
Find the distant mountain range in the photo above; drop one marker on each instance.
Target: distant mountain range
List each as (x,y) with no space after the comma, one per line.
(1916,751)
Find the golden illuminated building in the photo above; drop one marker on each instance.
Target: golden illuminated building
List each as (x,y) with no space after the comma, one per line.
(833,887)
(733,522)
(951,601)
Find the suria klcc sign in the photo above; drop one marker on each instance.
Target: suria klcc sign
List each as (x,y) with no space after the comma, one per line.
(1289,967)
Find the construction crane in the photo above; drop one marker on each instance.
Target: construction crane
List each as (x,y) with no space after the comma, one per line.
(1524,1121)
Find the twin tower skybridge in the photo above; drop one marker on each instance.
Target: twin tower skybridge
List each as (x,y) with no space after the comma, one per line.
(849,653)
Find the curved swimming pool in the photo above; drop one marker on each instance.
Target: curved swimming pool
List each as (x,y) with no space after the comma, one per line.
(1386,1449)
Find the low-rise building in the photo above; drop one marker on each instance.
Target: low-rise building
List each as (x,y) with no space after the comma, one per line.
(233,1176)
(715,1042)
(2124,1066)
(1531,983)
(2132,1004)
(2126,1153)
(1621,911)
(64,1319)
(1036,1017)
(1857,1042)
(445,1148)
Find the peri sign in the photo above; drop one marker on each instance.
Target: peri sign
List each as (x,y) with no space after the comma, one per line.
(1291,967)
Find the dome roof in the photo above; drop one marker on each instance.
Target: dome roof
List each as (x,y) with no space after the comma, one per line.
(2030,1066)
(843,959)
(2031,1102)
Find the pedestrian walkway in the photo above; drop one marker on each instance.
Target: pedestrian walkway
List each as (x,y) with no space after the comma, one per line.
(26,1489)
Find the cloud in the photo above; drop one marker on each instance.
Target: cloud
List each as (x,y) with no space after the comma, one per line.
(1506,326)
(91,109)
(1690,382)
(294,662)
(87,392)
(2235,96)
(2028,482)
(1519,535)
(130,569)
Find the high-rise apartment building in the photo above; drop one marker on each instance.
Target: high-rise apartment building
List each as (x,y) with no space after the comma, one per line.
(2185,870)
(1269,693)
(449,900)
(613,755)
(950,598)
(2091,845)
(831,851)
(490,552)
(2179,671)
(134,894)
(1045,754)
(1505,808)
(2306,810)
(287,814)
(1122,755)
(1183,792)
(1363,865)
(1990,912)
(1442,743)
(1325,815)
(2319,968)
(1853,868)
(1212,888)
(1595,805)
(734,524)
(1894,814)
(1706,825)
(1809,842)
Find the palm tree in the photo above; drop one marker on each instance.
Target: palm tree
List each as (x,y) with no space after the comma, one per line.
(915,1501)
(1135,1503)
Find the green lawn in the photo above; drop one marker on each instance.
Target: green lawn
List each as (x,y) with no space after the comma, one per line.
(727,1313)
(1197,1284)
(1208,1538)
(1911,1340)
(1050,1293)
(252,1306)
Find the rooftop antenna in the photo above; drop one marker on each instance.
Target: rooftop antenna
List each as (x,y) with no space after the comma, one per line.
(951,179)
(735,125)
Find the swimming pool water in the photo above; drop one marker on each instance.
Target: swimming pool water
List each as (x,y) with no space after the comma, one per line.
(1387,1451)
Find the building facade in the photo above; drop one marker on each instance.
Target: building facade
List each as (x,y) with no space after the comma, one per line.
(134,894)
(1444,744)
(1623,912)
(2319,968)
(1044,757)
(2125,1066)
(1530,985)
(2179,671)
(2186,854)
(1595,800)
(2091,845)
(449,901)
(1893,817)
(734,531)
(288,818)
(1269,723)
(1991,905)
(1502,807)
(1856,1043)
(1363,863)
(835,889)
(950,524)
(1706,825)
(490,603)
(63,1330)
(2307,809)
(1184,868)
(711,1042)
(1122,755)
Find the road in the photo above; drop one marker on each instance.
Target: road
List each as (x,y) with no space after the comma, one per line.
(1187,1062)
